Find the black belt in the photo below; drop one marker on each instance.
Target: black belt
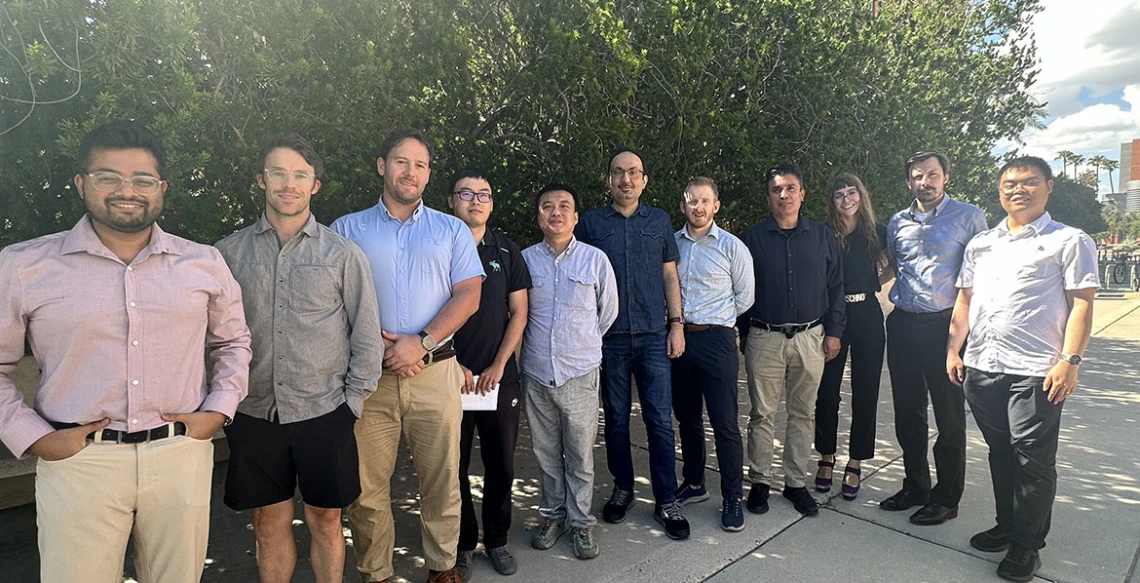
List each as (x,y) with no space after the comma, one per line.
(788,330)
(116,436)
(442,352)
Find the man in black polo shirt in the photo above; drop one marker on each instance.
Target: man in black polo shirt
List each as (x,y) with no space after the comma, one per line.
(793,327)
(485,348)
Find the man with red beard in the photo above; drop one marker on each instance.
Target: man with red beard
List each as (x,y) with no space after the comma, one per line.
(317,354)
(428,280)
(122,318)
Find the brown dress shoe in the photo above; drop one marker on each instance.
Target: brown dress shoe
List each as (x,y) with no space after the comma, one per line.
(448,576)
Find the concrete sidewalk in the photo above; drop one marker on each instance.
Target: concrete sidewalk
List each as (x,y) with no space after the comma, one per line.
(1095,536)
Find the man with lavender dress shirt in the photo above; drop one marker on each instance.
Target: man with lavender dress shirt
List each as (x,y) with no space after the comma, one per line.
(122,319)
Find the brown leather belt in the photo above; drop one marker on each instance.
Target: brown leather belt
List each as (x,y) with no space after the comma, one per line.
(442,352)
(697,327)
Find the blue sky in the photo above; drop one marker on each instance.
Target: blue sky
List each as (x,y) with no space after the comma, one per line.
(1089,53)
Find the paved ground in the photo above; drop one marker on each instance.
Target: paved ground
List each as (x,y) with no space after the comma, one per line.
(1096,521)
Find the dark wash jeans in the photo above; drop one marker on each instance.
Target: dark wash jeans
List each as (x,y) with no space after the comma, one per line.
(643,356)
(1021,427)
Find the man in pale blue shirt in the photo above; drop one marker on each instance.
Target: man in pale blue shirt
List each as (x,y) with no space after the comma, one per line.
(428,280)
(925,243)
(573,302)
(717,285)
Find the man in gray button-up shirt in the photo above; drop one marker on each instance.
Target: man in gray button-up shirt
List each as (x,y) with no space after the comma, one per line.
(317,354)
(925,243)
(572,304)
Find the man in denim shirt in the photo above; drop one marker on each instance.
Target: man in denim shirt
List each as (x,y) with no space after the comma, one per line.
(925,243)
(639,243)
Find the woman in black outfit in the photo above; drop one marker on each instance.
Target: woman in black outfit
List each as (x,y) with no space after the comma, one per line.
(865,269)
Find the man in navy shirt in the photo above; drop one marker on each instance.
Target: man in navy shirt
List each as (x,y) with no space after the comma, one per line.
(639,243)
(793,327)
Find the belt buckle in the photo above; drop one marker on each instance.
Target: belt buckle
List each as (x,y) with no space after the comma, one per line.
(789,331)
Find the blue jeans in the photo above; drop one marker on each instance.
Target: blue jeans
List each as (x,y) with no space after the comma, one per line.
(644,356)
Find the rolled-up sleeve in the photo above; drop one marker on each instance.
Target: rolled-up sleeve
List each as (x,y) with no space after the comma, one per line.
(227,345)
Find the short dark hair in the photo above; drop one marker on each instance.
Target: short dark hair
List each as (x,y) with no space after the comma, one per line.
(293,141)
(466,173)
(400,134)
(553,186)
(1027,162)
(122,135)
(623,149)
(917,157)
(782,169)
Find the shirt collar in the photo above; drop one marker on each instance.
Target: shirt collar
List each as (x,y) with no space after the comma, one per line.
(714,232)
(1036,227)
(83,238)
(387,215)
(642,210)
(311,229)
(913,208)
(550,251)
(801,225)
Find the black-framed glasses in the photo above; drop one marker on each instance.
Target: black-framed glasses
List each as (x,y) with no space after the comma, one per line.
(282,176)
(850,193)
(634,173)
(108,181)
(470,195)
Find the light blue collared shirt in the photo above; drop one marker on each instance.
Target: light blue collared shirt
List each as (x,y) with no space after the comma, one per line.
(927,253)
(1018,309)
(414,263)
(717,278)
(573,302)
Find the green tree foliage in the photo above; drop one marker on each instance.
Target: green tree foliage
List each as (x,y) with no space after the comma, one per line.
(530,91)
(1075,204)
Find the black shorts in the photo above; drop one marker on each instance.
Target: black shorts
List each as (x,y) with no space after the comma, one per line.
(269,460)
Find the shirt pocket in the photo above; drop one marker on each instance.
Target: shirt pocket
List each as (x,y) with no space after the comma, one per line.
(434,256)
(583,292)
(314,288)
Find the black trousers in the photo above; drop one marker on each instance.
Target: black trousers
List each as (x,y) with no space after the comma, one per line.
(865,339)
(916,356)
(708,370)
(1021,428)
(498,434)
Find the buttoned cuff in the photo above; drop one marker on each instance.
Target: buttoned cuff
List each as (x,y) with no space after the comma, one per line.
(24,431)
(223,402)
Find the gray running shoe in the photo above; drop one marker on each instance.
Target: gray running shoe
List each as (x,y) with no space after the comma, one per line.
(548,533)
(585,547)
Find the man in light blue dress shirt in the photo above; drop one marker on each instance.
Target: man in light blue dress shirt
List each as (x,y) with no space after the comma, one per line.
(428,281)
(718,284)
(573,302)
(925,243)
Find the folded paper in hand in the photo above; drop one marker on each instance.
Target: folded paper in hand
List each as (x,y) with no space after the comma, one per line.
(478,402)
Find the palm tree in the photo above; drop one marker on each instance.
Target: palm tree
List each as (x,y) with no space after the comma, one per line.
(1110,165)
(1076,161)
(1064,156)
(1098,163)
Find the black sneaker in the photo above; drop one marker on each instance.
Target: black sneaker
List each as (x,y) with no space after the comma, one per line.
(669,515)
(758,499)
(688,493)
(616,507)
(731,515)
(993,540)
(1019,564)
(802,500)
(464,562)
(502,560)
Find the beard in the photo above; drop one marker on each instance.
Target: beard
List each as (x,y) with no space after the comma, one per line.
(124,222)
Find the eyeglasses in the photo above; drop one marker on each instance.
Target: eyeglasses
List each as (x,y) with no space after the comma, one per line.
(281,176)
(634,173)
(470,195)
(844,194)
(107,181)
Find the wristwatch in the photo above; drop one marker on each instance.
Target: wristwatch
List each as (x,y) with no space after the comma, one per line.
(1072,359)
(427,341)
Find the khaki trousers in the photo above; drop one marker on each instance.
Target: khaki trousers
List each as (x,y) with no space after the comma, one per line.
(427,410)
(777,364)
(89,504)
